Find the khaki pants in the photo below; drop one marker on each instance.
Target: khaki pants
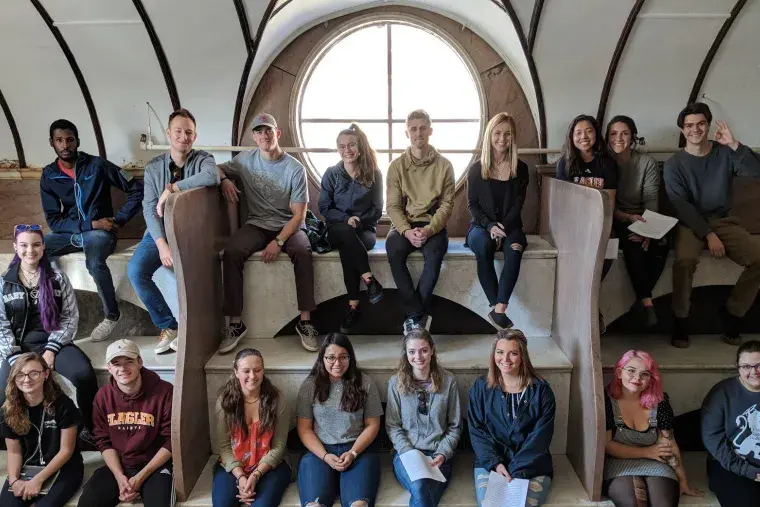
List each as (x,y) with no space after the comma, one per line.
(741,248)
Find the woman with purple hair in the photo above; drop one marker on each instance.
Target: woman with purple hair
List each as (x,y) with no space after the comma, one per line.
(39,314)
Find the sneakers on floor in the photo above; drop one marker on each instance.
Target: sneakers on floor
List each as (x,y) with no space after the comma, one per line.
(353,316)
(500,320)
(231,336)
(103,330)
(308,334)
(165,340)
(374,290)
(680,336)
(731,326)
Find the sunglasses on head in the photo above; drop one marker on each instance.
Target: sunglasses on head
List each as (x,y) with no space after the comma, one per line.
(422,405)
(26,227)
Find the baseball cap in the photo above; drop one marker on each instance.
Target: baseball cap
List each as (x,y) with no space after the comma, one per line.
(264,119)
(125,348)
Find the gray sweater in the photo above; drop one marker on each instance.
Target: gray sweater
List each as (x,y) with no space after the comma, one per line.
(638,184)
(199,171)
(438,432)
(700,187)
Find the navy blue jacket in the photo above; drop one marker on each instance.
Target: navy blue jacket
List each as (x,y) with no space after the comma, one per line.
(71,206)
(342,197)
(522,445)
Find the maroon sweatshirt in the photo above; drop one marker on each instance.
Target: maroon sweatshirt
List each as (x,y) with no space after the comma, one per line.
(136,425)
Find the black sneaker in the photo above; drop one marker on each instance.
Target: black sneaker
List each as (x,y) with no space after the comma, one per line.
(231,336)
(680,336)
(308,334)
(500,320)
(411,324)
(731,326)
(374,290)
(349,321)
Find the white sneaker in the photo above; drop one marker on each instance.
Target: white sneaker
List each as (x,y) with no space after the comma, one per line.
(165,340)
(174,345)
(103,330)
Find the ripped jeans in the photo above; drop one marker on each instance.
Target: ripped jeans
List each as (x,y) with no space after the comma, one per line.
(538,490)
(320,484)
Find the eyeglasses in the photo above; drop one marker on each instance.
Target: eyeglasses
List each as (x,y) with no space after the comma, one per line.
(746,368)
(33,375)
(633,373)
(343,358)
(422,405)
(342,147)
(26,227)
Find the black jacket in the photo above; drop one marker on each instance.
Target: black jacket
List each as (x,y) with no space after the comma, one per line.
(480,199)
(71,206)
(342,197)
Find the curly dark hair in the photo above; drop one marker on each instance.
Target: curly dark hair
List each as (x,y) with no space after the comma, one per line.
(354,395)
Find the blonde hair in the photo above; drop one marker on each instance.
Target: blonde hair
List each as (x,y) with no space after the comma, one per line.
(527,371)
(405,374)
(486,158)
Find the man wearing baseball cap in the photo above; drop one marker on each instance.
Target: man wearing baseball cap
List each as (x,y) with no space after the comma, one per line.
(132,419)
(276,194)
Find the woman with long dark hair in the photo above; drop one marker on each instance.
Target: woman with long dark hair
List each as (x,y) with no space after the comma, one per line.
(638,190)
(351,201)
(496,189)
(511,419)
(338,413)
(423,414)
(251,433)
(643,462)
(39,314)
(39,424)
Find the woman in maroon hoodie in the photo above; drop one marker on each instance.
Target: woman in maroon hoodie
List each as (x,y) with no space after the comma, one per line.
(132,419)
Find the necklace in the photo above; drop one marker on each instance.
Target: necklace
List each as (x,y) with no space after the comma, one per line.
(252,402)
(30,282)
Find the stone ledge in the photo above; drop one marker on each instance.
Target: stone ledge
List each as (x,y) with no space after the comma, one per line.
(159,363)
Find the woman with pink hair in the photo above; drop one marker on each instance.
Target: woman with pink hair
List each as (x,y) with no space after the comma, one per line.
(643,463)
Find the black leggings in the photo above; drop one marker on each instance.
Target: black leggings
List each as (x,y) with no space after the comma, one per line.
(65,486)
(352,245)
(660,491)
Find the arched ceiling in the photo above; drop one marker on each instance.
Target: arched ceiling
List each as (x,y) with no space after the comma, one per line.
(203,49)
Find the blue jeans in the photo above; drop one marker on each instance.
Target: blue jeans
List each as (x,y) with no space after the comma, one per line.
(425,492)
(143,264)
(269,490)
(319,483)
(480,242)
(538,491)
(97,246)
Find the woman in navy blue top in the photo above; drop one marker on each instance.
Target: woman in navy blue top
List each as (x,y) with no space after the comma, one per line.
(511,420)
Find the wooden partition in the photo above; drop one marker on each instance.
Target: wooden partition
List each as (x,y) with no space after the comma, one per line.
(577,220)
(196,226)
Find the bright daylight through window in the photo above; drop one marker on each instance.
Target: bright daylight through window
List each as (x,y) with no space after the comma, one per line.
(376,73)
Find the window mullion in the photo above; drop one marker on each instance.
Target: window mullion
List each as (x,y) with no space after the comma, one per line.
(389,63)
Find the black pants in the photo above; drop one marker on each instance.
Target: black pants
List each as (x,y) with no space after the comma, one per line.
(644,266)
(416,301)
(73,364)
(352,245)
(102,490)
(732,490)
(65,486)
(480,242)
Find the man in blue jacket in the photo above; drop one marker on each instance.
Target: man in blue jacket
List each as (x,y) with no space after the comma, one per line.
(76,199)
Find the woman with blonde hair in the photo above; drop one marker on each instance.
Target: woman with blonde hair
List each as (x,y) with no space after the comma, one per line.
(511,420)
(351,202)
(39,424)
(423,415)
(496,188)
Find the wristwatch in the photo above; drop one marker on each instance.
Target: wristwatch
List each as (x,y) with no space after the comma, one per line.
(279,241)
(354,453)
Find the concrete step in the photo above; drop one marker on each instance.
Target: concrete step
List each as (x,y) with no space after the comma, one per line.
(687,374)
(162,364)
(287,364)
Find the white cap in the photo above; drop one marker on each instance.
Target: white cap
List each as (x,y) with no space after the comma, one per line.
(122,348)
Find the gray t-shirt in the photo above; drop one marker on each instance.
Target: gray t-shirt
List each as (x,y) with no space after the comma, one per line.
(331,424)
(269,187)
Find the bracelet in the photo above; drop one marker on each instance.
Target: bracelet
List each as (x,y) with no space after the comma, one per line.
(257,471)
(10,484)
(222,179)
(326,453)
(354,453)
(241,476)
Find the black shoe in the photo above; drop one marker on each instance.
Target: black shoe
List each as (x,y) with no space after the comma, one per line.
(349,321)
(500,320)
(374,290)
(602,325)
(680,336)
(731,326)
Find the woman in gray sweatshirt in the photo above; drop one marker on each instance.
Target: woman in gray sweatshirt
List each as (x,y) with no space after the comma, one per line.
(423,414)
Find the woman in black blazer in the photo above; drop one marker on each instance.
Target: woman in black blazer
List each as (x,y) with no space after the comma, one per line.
(496,187)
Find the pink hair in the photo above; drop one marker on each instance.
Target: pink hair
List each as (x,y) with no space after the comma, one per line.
(652,396)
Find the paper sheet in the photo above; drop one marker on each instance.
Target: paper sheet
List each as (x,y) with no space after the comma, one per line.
(655,227)
(501,493)
(417,466)
(612,249)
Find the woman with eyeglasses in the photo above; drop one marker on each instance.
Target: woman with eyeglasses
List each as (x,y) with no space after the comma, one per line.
(731,432)
(351,202)
(642,462)
(511,420)
(423,414)
(338,418)
(39,425)
(39,314)
(251,433)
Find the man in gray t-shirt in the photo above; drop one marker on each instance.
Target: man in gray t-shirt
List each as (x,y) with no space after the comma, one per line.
(274,185)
